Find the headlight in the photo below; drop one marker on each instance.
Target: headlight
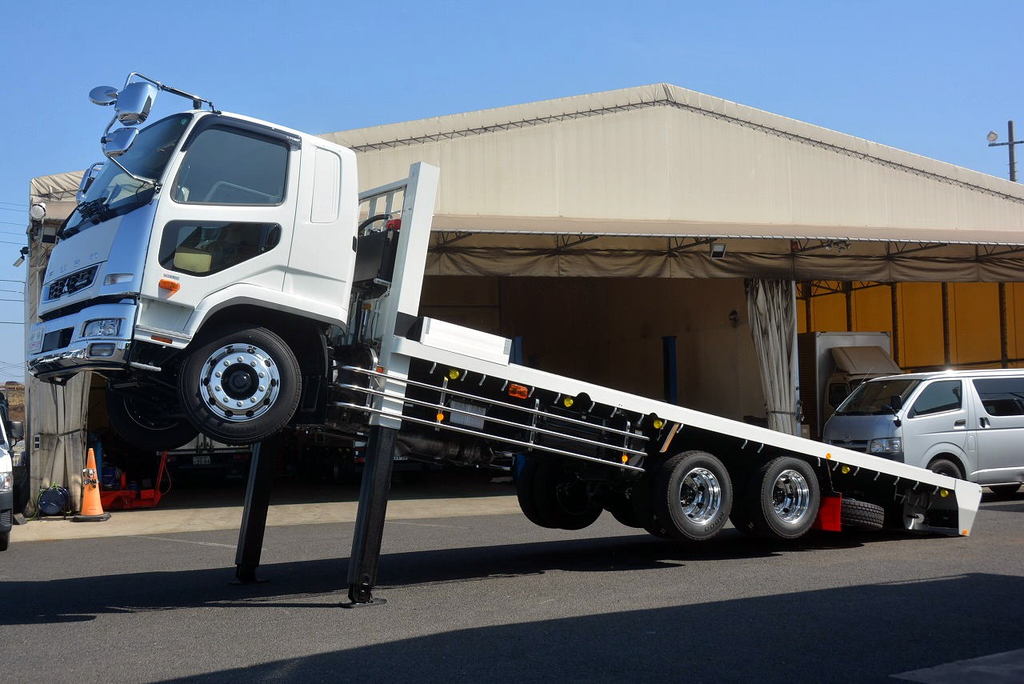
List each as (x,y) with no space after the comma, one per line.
(118,278)
(104,327)
(888,445)
(6,482)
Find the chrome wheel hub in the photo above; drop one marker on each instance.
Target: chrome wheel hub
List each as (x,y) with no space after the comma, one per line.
(791,496)
(240,382)
(700,495)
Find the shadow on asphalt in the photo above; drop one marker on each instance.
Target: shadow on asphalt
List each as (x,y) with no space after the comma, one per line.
(858,634)
(83,598)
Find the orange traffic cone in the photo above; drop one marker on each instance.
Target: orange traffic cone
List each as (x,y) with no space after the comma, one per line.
(92,508)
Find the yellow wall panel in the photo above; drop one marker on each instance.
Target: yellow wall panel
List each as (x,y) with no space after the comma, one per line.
(920,317)
(828,313)
(974,322)
(1015,321)
(872,310)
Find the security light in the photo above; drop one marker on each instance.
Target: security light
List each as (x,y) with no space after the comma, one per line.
(992,136)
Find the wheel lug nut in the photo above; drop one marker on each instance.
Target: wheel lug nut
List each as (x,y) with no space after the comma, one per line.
(262,388)
(227,363)
(217,374)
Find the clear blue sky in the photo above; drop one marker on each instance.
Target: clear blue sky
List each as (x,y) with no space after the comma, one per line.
(930,76)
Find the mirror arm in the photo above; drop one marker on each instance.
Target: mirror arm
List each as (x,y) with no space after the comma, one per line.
(141,179)
(197,102)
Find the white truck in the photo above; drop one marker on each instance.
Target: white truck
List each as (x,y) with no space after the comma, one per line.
(226,277)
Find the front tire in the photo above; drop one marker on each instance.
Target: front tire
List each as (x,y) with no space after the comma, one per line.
(145,424)
(551,496)
(241,385)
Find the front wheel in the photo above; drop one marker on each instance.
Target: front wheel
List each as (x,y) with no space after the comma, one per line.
(240,385)
(146,422)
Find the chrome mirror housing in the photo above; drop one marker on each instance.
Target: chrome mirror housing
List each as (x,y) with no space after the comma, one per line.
(117,142)
(103,95)
(87,178)
(134,102)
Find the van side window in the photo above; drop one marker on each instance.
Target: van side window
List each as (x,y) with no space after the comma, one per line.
(1001,396)
(937,397)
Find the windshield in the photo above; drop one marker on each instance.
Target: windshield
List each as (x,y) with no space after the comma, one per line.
(114,192)
(875,398)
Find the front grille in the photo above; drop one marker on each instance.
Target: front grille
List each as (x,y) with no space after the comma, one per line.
(57,339)
(79,280)
(853,445)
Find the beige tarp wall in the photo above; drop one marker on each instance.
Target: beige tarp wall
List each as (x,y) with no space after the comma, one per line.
(55,415)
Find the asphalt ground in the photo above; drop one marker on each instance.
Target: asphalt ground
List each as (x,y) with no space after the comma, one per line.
(493,598)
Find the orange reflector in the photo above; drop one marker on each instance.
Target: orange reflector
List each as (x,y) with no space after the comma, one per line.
(171,286)
(380,369)
(828,455)
(625,458)
(158,338)
(518,391)
(964,532)
(440,416)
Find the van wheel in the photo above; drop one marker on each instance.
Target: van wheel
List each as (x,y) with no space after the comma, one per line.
(1003,492)
(5,540)
(144,422)
(692,496)
(783,497)
(944,466)
(552,496)
(240,385)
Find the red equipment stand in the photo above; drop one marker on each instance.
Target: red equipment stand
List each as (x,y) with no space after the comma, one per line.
(128,499)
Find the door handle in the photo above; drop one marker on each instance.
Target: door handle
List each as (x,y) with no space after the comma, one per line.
(984,422)
(961,422)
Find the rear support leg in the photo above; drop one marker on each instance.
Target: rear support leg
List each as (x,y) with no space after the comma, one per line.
(373,504)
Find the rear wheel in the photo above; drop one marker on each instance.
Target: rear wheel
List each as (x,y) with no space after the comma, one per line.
(1004,491)
(783,497)
(551,495)
(5,540)
(241,385)
(692,496)
(145,421)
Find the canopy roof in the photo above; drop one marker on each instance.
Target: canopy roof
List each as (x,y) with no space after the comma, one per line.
(638,182)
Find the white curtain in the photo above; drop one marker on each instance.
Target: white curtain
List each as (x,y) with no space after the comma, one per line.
(772,323)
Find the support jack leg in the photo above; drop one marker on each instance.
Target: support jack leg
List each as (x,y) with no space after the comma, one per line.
(369,531)
(254,515)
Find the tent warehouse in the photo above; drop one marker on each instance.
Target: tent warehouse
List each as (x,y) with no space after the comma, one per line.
(595,226)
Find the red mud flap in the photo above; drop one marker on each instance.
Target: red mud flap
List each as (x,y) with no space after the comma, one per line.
(830,514)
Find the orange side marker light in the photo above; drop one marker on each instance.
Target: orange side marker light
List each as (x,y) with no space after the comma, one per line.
(171,286)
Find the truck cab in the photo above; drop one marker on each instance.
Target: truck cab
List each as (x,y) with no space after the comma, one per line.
(207,261)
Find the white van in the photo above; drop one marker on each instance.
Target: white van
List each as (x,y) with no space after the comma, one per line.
(967,424)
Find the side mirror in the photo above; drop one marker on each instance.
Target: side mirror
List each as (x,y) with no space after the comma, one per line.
(87,178)
(17,431)
(134,102)
(895,403)
(117,143)
(103,95)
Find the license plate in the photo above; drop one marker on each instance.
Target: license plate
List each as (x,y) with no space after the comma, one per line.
(203,459)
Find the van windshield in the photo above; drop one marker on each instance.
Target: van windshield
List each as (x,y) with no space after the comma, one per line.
(874,398)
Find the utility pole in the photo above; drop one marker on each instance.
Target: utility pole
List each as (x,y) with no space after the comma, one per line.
(1010,142)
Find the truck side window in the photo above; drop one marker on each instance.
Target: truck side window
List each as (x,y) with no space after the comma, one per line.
(205,247)
(937,397)
(1001,396)
(227,166)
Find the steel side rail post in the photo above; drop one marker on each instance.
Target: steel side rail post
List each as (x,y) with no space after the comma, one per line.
(254,515)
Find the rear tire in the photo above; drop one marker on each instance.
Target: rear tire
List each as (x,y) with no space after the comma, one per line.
(551,495)
(692,496)
(240,385)
(144,425)
(861,515)
(783,497)
(5,540)
(1004,492)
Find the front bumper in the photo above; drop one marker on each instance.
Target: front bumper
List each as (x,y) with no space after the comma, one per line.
(59,350)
